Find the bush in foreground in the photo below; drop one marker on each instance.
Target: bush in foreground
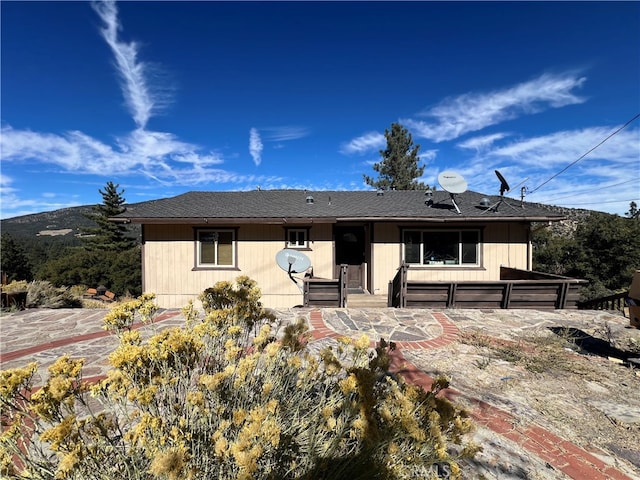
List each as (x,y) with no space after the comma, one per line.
(228,396)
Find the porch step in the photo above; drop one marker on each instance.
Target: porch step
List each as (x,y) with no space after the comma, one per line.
(364,300)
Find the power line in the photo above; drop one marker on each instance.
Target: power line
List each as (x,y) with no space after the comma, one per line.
(586,153)
(601,188)
(599,202)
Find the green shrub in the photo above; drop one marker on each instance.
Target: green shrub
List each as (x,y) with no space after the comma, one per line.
(91,304)
(222,398)
(78,291)
(45,295)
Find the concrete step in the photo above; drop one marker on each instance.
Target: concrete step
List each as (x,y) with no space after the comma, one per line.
(364,300)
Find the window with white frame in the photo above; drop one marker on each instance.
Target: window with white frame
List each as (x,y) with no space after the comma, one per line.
(297,238)
(215,248)
(442,248)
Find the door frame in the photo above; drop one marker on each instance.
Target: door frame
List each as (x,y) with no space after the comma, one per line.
(364,231)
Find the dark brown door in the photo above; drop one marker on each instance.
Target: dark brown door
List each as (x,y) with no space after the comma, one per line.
(350,250)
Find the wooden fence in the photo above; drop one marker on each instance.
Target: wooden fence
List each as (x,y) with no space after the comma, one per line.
(611,302)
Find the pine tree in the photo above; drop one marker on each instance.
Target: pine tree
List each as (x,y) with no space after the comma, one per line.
(108,235)
(14,260)
(399,168)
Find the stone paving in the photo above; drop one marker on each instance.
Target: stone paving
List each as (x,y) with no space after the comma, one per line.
(512,450)
(44,335)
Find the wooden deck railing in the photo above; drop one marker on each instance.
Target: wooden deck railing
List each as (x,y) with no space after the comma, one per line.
(322,292)
(610,302)
(536,291)
(397,290)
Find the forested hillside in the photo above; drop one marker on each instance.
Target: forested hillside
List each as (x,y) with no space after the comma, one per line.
(75,246)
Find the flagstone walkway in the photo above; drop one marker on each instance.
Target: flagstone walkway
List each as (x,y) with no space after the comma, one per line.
(512,448)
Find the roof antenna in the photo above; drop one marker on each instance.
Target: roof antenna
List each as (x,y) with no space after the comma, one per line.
(523,192)
(504,187)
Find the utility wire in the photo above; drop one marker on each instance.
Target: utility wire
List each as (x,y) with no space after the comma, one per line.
(582,192)
(586,153)
(605,201)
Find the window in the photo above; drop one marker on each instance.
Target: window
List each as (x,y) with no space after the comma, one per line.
(297,238)
(442,247)
(215,248)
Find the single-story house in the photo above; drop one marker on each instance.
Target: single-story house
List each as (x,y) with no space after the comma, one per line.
(193,240)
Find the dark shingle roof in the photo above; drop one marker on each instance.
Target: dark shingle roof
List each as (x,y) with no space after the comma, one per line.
(275,205)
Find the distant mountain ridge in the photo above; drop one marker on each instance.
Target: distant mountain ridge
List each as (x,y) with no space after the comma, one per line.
(65,222)
(573,216)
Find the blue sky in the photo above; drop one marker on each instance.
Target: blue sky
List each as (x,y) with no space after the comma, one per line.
(167,97)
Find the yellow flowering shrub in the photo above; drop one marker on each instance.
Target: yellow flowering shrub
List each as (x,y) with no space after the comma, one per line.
(227,396)
(122,316)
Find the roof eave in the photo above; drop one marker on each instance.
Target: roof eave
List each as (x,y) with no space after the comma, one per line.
(222,220)
(460,218)
(330,220)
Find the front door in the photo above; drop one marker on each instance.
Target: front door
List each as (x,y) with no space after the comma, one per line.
(350,250)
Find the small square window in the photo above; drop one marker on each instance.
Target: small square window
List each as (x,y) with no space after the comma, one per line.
(297,238)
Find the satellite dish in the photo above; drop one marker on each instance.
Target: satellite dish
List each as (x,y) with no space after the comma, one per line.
(292,261)
(504,186)
(452,182)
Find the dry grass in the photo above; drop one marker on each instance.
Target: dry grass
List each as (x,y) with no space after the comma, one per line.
(537,353)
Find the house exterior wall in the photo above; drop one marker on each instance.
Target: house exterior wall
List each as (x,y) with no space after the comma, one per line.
(169,259)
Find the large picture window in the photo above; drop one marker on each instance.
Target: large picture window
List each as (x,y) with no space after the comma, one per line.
(215,248)
(442,248)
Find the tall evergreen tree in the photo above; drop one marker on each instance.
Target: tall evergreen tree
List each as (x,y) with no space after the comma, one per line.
(14,259)
(399,168)
(108,235)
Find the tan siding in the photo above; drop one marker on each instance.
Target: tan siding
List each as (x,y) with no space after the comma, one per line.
(169,254)
(385,256)
(321,253)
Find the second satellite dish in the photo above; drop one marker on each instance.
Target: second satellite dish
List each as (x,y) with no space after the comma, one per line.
(504,186)
(453,183)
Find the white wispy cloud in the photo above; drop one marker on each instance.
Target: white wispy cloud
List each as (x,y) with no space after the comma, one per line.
(132,71)
(364,144)
(13,205)
(284,134)
(255,146)
(5,182)
(561,148)
(427,155)
(598,181)
(160,156)
(481,143)
(154,153)
(472,112)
